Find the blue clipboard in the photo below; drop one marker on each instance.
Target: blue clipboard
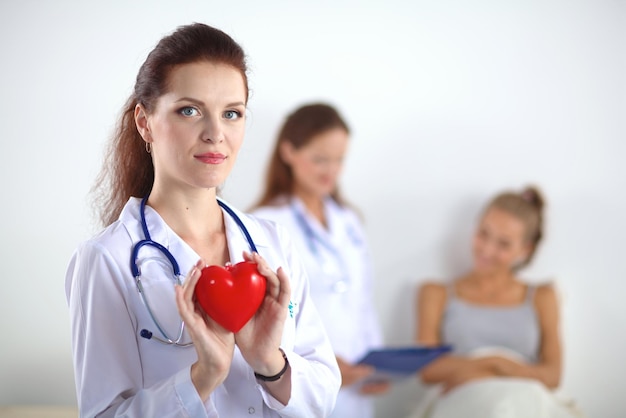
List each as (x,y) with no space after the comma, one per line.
(403,361)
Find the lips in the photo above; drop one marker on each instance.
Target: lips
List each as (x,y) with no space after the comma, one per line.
(210,158)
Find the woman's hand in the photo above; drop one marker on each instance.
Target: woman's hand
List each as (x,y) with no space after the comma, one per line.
(467,374)
(259,340)
(479,368)
(500,366)
(377,387)
(352,373)
(506,367)
(213,343)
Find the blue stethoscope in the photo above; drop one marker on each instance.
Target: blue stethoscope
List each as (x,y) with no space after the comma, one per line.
(312,239)
(134,268)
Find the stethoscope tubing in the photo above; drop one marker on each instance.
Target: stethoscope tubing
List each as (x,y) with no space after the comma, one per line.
(313,239)
(134,267)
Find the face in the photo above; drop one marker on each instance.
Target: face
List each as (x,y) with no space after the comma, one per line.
(197,126)
(317,165)
(499,242)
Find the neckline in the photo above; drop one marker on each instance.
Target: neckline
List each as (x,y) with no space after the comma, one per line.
(526,301)
(476,305)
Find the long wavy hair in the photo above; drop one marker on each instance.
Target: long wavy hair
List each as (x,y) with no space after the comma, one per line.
(127,169)
(299,129)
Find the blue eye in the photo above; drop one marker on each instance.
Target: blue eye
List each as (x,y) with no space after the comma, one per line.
(188,111)
(232,114)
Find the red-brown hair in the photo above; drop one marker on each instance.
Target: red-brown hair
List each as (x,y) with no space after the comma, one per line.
(299,128)
(127,170)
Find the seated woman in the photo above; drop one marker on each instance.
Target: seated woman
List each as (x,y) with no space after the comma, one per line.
(506,355)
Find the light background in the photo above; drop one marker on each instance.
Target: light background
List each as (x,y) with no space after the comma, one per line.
(449,103)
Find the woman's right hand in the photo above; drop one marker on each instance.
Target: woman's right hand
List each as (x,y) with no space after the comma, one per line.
(466,375)
(213,343)
(352,373)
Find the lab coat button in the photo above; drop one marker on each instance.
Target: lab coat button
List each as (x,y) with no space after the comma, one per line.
(251,410)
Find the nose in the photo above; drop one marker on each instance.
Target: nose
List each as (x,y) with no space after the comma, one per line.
(212,130)
(335,167)
(488,247)
(483,247)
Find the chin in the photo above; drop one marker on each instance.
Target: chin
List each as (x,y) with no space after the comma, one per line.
(325,190)
(319,193)
(211,182)
(485,269)
(491,270)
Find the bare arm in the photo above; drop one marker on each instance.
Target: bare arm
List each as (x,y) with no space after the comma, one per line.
(431,301)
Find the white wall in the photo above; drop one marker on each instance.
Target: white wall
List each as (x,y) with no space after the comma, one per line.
(449,101)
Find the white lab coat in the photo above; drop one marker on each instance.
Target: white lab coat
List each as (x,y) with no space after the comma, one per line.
(336,257)
(119,373)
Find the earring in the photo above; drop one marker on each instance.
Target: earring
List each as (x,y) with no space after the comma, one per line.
(148,147)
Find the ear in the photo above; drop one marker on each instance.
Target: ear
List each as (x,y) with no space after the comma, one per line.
(286,151)
(141,120)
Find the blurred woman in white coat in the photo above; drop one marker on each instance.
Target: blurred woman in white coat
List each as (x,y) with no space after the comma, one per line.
(301,193)
(142,346)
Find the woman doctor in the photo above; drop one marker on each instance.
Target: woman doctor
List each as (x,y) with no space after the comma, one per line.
(177,141)
(301,193)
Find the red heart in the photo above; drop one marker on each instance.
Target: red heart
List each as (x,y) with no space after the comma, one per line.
(231,295)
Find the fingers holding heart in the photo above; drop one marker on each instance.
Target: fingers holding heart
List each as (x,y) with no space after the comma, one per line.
(185,293)
(192,277)
(284,294)
(273,282)
(198,322)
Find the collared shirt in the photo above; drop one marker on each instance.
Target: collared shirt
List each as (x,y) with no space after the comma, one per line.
(119,373)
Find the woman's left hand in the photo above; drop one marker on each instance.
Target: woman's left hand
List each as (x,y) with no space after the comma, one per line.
(375,387)
(465,376)
(501,366)
(259,340)
(475,369)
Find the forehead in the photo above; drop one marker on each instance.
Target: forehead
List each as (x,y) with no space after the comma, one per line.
(503,222)
(206,80)
(334,140)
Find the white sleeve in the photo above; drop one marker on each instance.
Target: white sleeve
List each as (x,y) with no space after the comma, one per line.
(315,376)
(107,365)
(368,307)
(367,310)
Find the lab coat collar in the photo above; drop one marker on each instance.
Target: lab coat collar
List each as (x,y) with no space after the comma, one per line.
(237,242)
(330,210)
(185,256)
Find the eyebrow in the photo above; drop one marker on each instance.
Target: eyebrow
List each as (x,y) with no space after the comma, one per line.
(201,103)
